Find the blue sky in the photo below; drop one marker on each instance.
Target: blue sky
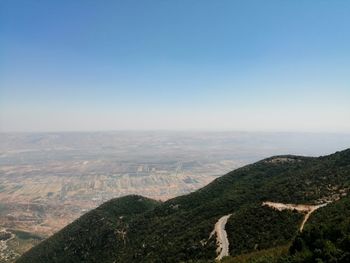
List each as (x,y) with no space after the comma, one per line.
(180,64)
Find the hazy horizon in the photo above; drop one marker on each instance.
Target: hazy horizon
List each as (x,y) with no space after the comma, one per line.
(212,131)
(175,65)
(104,100)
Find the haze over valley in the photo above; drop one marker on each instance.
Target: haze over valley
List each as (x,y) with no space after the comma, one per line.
(174,131)
(50,179)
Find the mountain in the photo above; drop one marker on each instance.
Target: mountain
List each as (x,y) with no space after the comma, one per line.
(263,207)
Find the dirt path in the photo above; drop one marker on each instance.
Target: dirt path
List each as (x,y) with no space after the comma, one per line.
(221,234)
(308,209)
(221,237)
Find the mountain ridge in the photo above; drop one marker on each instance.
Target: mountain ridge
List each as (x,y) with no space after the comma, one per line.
(178,229)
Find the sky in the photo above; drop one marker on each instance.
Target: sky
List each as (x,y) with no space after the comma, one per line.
(175,65)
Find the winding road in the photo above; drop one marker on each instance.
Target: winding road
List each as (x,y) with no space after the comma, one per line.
(309,209)
(221,237)
(221,234)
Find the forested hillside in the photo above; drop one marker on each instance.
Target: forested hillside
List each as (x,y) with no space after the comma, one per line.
(136,229)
